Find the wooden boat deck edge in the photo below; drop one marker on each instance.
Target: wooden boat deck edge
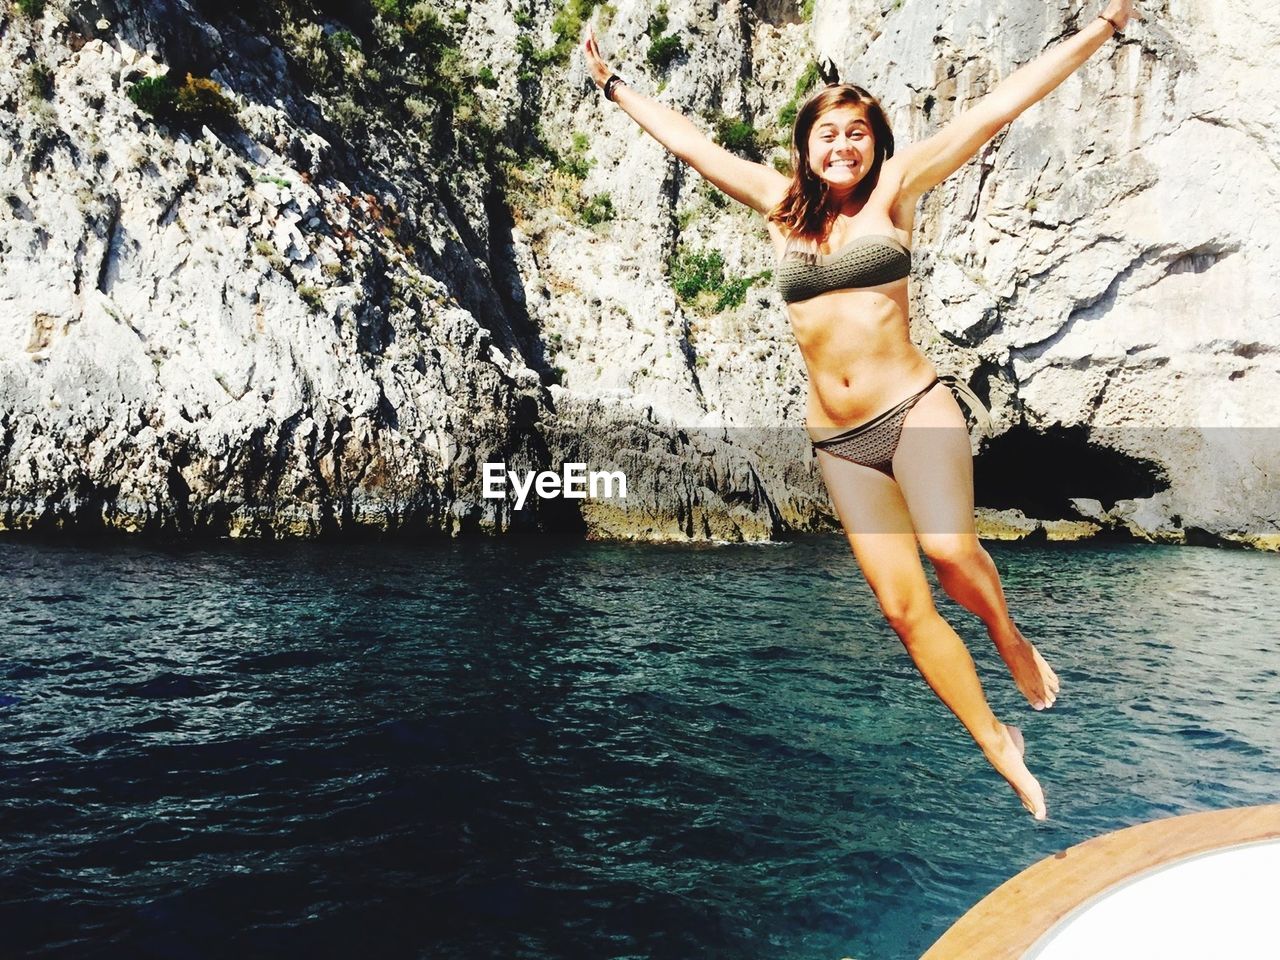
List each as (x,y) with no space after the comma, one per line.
(1008,921)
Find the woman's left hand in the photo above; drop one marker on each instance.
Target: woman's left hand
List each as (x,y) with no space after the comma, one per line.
(1119,12)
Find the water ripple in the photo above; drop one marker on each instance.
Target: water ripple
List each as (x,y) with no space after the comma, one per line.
(623,751)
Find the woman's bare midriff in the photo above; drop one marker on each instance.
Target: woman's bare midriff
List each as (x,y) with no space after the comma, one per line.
(856,343)
(857,348)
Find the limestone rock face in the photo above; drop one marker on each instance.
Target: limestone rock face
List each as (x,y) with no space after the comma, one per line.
(285,326)
(216,332)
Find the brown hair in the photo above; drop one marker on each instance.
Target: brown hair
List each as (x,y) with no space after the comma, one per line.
(805,212)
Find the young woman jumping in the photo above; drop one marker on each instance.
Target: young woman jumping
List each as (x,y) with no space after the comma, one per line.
(841,226)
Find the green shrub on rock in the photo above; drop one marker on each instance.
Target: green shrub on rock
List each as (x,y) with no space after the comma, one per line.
(740,137)
(787,115)
(663,47)
(343,40)
(699,280)
(733,292)
(566,25)
(397,10)
(201,99)
(313,53)
(198,101)
(694,271)
(312,296)
(154,95)
(38,83)
(598,209)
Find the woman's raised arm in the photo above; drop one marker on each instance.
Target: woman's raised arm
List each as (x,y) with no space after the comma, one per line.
(925,164)
(754,184)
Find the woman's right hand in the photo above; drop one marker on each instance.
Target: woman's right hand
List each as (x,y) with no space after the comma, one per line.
(599,72)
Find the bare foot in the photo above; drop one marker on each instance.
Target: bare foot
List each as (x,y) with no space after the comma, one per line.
(1035,678)
(1006,756)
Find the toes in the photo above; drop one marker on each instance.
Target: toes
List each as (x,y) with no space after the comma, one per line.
(1034,805)
(1038,696)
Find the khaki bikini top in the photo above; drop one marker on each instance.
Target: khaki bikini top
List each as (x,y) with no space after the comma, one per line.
(865,261)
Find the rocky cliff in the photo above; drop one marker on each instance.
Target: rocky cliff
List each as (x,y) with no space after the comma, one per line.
(412,239)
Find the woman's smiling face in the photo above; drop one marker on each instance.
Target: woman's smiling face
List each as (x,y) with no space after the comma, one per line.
(841,147)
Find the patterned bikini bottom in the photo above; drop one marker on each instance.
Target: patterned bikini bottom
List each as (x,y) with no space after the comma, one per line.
(873,444)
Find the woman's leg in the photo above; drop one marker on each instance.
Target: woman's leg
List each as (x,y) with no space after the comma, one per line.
(876,521)
(934,468)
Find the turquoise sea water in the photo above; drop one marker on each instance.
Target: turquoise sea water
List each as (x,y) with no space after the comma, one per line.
(559,751)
